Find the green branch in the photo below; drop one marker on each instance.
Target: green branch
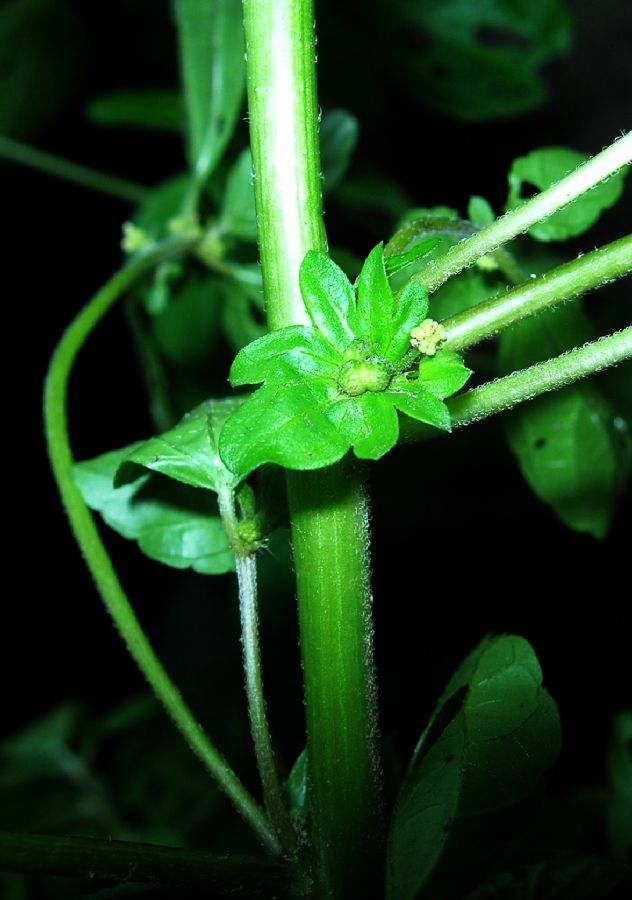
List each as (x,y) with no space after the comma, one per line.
(94,552)
(553,287)
(91,859)
(519,220)
(505,393)
(102,182)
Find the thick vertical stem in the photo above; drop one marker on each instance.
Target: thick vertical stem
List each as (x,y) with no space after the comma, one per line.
(328,508)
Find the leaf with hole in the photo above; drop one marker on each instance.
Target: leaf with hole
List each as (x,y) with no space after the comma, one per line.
(542,168)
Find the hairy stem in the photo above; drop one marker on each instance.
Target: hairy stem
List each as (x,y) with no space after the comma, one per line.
(246,569)
(563,283)
(102,182)
(94,552)
(100,860)
(507,392)
(519,220)
(328,508)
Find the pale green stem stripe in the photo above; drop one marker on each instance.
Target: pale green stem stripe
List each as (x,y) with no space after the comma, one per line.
(94,552)
(283,113)
(507,392)
(550,289)
(104,183)
(519,220)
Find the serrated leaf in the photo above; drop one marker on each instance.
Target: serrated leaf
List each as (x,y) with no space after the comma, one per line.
(411,309)
(213,74)
(239,216)
(338,138)
(544,167)
(171,523)
(572,448)
(188,452)
(375,301)
(329,298)
(493,735)
(154,109)
(411,399)
(368,422)
(443,374)
(480,60)
(297,345)
(282,423)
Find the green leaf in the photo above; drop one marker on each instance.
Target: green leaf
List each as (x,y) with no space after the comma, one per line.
(239,217)
(154,109)
(171,523)
(479,211)
(619,808)
(443,374)
(411,308)
(213,74)
(303,348)
(544,167)
(329,298)
(188,452)
(187,326)
(463,292)
(283,422)
(493,735)
(296,787)
(240,321)
(399,261)
(411,399)
(479,61)
(163,203)
(38,68)
(338,138)
(368,422)
(572,448)
(375,301)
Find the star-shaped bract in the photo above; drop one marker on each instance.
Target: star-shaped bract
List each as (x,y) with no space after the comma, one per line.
(340,383)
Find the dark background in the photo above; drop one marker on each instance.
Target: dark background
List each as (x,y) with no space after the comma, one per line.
(501,560)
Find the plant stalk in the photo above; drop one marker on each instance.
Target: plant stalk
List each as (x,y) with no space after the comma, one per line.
(505,393)
(546,291)
(519,220)
(100,860)
(94,552)
(328,509)
(103,182)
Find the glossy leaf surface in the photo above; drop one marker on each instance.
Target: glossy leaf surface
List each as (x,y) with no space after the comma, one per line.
(494,733)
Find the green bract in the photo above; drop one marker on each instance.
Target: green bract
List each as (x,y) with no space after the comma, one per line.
(339,383)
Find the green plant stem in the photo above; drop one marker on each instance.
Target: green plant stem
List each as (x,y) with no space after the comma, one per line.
(505,393)
(91,859)
(272,793)
(328,509)
(331,555)
(563,283)
(283,114)
(519,220)
(102,182)
(94,552)
(246,570)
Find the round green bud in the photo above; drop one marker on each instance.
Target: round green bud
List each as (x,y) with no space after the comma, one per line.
(357,377)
